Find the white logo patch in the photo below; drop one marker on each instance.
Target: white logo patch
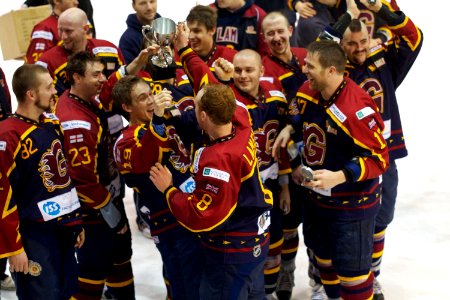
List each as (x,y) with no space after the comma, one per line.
(197,158)
(98,50)
(41,63)
(68,125)
(215,173)
(41,34)
(338,113)
(275,93)
(366,111)
(2,146)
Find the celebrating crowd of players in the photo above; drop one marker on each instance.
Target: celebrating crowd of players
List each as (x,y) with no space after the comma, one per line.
(228,150)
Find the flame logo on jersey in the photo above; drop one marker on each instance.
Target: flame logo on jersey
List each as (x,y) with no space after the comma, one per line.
(53,168)
(179,157)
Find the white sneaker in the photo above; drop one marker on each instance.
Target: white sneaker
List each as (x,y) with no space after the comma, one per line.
(7,284)
(377,290)
(318,292)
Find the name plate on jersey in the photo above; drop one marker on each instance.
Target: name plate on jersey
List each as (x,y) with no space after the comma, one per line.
(59,205)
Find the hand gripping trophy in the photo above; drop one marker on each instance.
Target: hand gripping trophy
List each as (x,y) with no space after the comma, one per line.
(161,32)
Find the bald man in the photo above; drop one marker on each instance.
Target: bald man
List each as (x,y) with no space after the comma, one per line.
(73,28)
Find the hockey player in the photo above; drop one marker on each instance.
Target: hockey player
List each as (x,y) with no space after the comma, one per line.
(89,138)
(345,153)
(283,67)
(41,219)
(143,143)
(229,206)
(45,33)
(5,97)
(73,27)
(201,22)
(380,71)
(267,107)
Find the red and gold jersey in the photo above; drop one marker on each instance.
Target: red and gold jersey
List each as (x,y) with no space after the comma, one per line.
(88,147)
(287,77)
(34,179)
(343,133)
(43,37)
(229,206)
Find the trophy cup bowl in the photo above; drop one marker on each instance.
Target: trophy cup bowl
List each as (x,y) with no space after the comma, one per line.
(161,32)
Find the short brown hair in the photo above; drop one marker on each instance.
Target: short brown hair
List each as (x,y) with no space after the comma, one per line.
(219,103)
(25,79)
(203,14)
(330,54)
(121,92)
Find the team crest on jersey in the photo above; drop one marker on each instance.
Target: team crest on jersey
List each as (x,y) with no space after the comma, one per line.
(179,158)
(372,123)
(265,138)
(250,29)
(53,168)
(34,268)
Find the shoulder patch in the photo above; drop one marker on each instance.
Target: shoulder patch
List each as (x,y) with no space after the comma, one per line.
(267,78)
(41,63)
(338,113)
(104,49)
(197,159)
(275,93)
(366,111)
(216,173)
(42,34)
(68,125)
(51,116)
(2,146)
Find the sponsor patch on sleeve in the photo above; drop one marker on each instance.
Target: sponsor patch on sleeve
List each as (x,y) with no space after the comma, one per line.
(2,146)
(217,174)
(68,125)
(366,111)
(275,93)
(42,34)
(338,113)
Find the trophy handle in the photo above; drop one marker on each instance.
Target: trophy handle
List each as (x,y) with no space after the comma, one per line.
(148,29)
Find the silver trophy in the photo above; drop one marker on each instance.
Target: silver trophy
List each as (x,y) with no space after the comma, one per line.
(161,32)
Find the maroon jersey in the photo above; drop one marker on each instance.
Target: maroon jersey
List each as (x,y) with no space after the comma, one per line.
(55,60)
(35,186)
(229,206)
(217,51)
(268,114)
(43,37)
(343,133)
(88,146)
(287,77)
